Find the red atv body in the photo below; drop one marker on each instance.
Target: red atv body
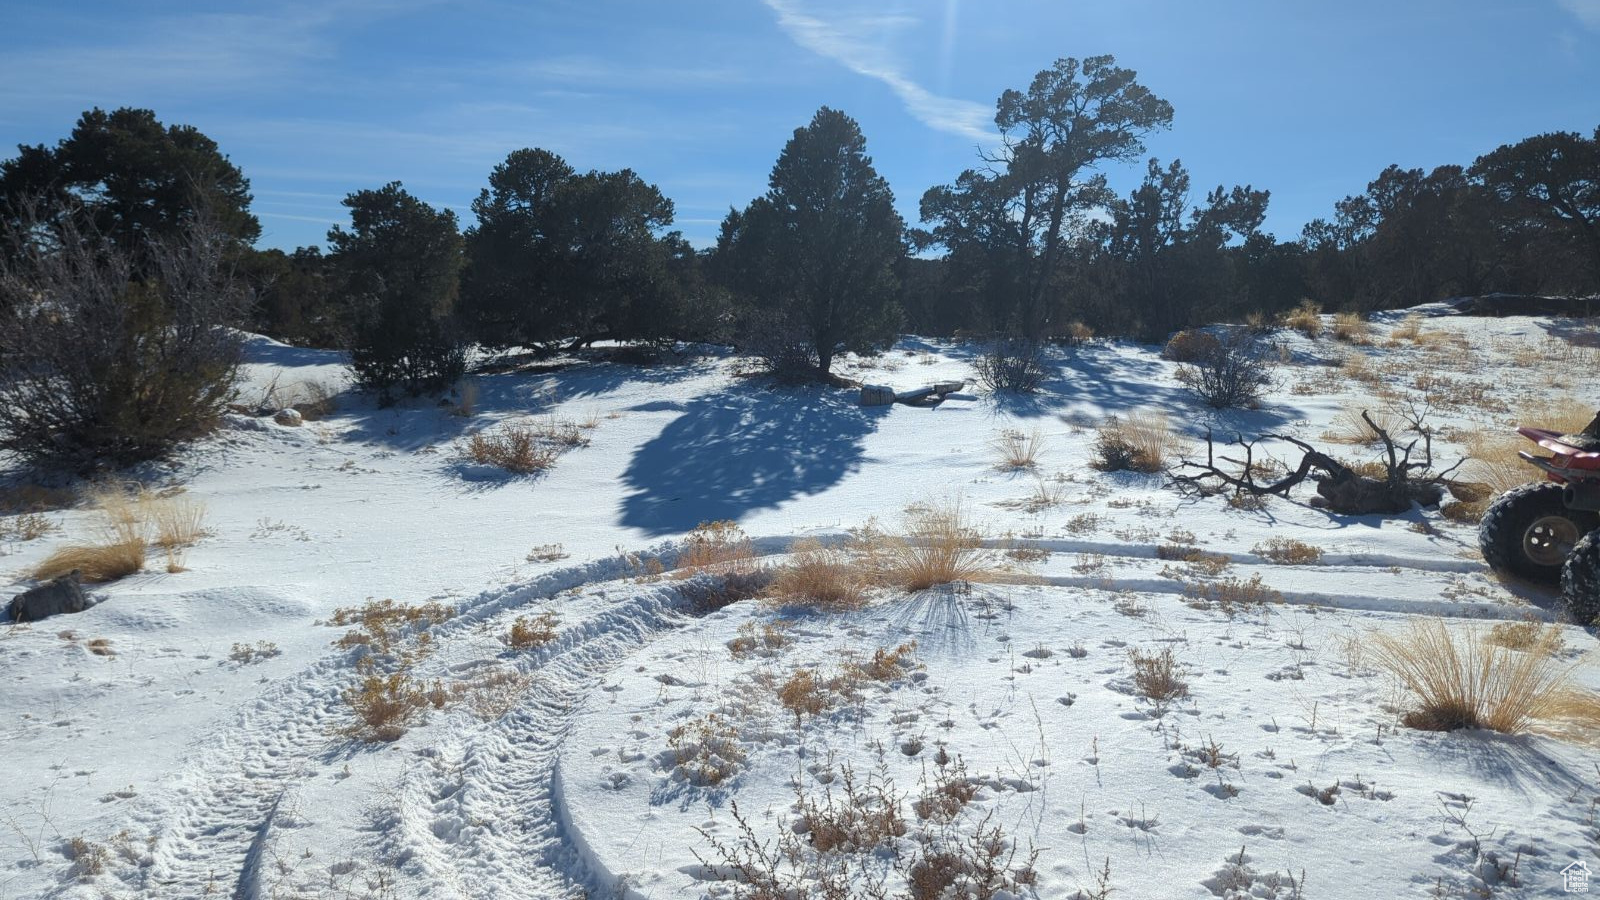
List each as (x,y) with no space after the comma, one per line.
(1549,531)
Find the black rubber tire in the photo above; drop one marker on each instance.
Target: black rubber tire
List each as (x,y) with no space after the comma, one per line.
(1580,580)
(1505,525)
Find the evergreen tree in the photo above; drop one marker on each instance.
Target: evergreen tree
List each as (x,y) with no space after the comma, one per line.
(398,267)
(139,180)
(815,258)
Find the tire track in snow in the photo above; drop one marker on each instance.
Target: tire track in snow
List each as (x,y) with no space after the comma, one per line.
(209,821)
(481,816)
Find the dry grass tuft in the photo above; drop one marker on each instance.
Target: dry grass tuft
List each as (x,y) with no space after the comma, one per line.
(128,517)
(718,546)
(885,664)
(1156,675)
(1288,551)
(1347,426)
(517,449)
(940,546)
(1409,329)
(1305,318)
(751,640)
(1463,680)
(828,579)
(529,634)
(1019,449)
(707,750)
(1351,328)
(382,625)
(1142,442)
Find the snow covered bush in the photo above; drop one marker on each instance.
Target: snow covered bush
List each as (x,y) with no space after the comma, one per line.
(111,355)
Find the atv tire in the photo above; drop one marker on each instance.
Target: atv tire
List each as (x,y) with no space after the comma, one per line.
(1529,531)
(1580,580)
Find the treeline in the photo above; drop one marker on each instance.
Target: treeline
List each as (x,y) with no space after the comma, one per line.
(1031,243)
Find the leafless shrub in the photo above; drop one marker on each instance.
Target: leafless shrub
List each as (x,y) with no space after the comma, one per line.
(1233,376)
(1015,365)
(707,750)
(25,527)
(113,355)
(1156,675)
(517,449)
(385,706)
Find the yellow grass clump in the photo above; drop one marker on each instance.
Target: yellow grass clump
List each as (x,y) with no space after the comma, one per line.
(940,546)
(1409,329)
(714,545)
(131,521)
(1141,442)
(1462,679)
(1351,328)
(829,579)
(1305,318)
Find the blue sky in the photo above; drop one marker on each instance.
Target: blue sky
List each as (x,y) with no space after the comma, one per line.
(314,100)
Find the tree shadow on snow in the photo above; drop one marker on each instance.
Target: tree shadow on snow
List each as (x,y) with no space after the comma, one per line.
(741,450)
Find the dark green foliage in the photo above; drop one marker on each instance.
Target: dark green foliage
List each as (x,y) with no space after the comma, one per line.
(398,270)
(559,255)
(814,260)
(1553,181)
(293,297)
(1175,263)
(1410,238)
(112,355)
(138,179)
(1008,229)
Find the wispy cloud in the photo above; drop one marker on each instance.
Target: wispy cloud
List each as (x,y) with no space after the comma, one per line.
(198,53)
(1587,11)
(853,40)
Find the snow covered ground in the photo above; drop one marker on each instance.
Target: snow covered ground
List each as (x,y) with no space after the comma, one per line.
(162,763)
